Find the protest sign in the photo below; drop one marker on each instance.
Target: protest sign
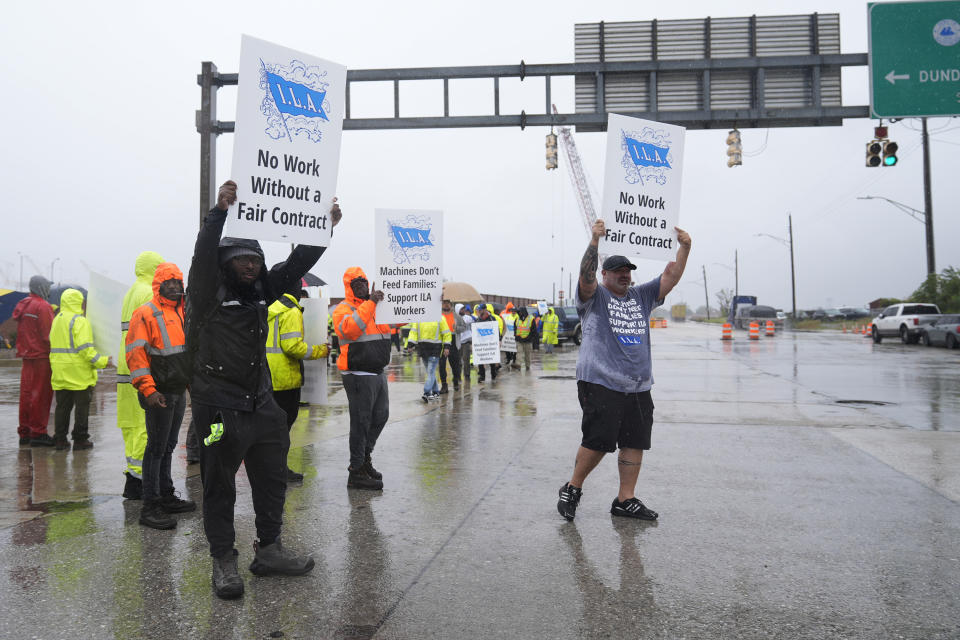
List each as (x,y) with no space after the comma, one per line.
(104,306)
(314,332)
(509,342)
(486,342)
(286,147)
(409,269)
(641,188)
(542,308)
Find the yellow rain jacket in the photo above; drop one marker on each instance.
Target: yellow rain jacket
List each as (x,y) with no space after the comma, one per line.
(285,345)
(73,358)
(551,327)
(430,337)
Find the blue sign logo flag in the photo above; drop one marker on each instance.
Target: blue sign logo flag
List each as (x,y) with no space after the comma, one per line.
(645,154)
(409,237)
(484,332)
(296,99)
(630,340)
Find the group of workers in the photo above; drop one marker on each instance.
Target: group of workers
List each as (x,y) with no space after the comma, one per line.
(236,340)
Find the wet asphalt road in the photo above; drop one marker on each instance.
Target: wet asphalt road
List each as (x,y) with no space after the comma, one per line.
(808,487)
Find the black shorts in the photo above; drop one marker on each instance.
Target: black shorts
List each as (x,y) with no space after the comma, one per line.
(613,419)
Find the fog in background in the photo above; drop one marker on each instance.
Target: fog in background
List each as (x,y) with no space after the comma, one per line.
(100,156)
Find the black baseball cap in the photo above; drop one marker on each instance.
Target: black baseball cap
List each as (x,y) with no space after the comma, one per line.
(617,262)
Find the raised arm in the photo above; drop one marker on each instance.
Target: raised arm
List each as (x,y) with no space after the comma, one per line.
(587,284)
(674,270)
(205,268)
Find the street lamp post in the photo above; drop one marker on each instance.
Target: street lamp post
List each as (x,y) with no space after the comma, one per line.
(20,282)
(919,216)
(51,268)
(788,243)
(706,296)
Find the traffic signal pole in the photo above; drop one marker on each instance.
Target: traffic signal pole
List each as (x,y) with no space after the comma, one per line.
(928,199)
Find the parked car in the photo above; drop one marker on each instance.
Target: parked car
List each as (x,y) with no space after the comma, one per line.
(569,324)
(945,331)
(904,319)
(853,313)
(759,313)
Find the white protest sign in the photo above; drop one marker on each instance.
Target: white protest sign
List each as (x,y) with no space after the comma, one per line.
(509,342)
(409,269)
(542,308)
(486,342)
(314,332)
(104,306)
(286,147)
(641,188)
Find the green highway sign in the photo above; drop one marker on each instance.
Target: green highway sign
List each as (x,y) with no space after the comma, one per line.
(914,58)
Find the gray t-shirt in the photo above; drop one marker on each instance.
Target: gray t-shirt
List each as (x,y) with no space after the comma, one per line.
(615,351)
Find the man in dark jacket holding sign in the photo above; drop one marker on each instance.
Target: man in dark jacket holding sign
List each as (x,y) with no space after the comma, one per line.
(236,417)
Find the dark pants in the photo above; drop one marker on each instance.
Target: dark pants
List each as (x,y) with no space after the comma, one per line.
(193,442)
(67,399)
(455,366)
(260,440)
(482,371)
(369,409)
(35,397)
(163,430)
(289,401)
(395,340)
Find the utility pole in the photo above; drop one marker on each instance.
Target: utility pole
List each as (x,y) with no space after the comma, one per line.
(793,279)
(928,199)
(736,274)
(706,296)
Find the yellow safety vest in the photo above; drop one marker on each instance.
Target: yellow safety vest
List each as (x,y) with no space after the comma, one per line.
(285,344)
(73,358)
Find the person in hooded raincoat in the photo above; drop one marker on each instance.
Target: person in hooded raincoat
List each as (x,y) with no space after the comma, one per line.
(364,352)
(74,362)
(131,419)
(551,327)
(34,316)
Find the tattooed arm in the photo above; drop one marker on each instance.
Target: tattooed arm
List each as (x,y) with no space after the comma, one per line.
(587,284)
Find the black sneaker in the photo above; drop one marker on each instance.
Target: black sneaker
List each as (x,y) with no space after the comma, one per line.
(82,444)
(227,583)
(42,440)
(153,516)
(133,488)
(274,559)
(360,479)
(25,442)
(61,444)
(569,499)
(425,397)
(632,508)
(172,503)
(444,388)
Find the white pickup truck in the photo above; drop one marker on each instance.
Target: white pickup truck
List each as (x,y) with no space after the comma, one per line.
(904,320)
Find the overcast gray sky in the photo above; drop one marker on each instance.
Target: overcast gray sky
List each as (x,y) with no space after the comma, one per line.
(100,155)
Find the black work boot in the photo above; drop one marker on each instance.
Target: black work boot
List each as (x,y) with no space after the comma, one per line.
(273,559)
(133,489)
(151,515)
(368,467)
(360,479)
(172,503)
(444,388)
(227,583)
(293,476)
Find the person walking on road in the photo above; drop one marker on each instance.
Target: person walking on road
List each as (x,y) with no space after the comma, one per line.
(485,314)
(464,338)
(551,326)
(234,412)
(454,357)
(159,365)
(508,318)
(614,373)
(131,418)
(74,362)
(525,333)
(432,340)
(286,351)
(364,353)
(34,317)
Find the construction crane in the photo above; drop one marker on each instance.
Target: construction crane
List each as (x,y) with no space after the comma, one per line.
(578,176)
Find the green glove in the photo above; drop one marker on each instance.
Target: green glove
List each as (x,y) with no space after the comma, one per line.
(216,432)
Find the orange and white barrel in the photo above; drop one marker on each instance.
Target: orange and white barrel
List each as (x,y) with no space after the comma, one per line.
(771,328)
(727,331)
(754,331)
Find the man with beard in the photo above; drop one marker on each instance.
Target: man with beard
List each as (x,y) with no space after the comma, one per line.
(234,410)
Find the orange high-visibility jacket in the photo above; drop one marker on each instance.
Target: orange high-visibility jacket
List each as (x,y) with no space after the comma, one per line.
(364,344)
(156,351)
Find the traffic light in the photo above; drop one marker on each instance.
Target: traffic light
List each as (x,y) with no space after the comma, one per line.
(890,153)
(551,151)
(873,153)
(734,149)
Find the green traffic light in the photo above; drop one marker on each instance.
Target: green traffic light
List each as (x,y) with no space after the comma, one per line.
(889,161)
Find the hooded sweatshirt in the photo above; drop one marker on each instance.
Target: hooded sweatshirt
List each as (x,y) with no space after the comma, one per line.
(73,358)
(139,293)
(155,345)
(364,345)
(34,315)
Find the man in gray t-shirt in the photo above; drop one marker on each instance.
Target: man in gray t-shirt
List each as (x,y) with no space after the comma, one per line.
(614,374)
